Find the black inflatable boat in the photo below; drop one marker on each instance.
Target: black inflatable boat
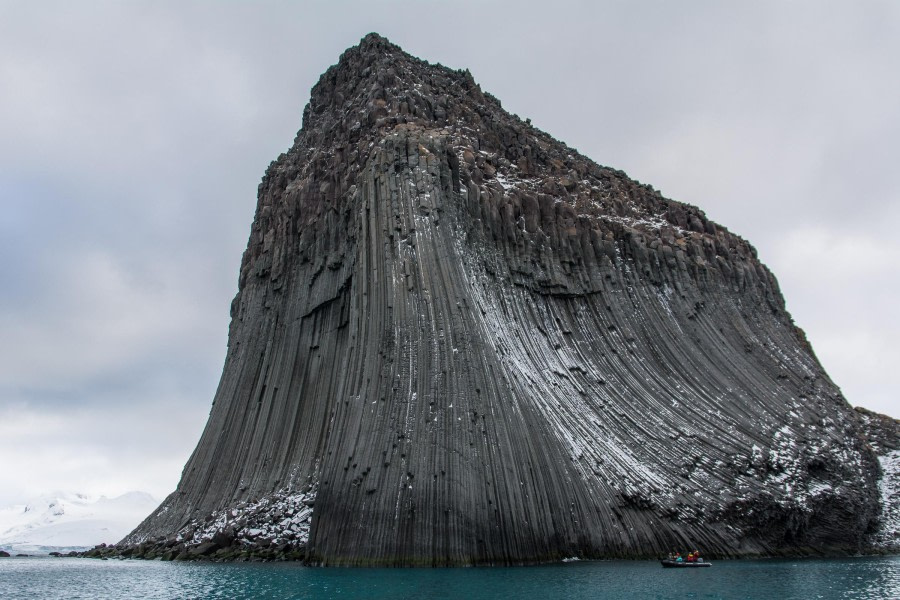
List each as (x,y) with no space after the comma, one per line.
(674,564)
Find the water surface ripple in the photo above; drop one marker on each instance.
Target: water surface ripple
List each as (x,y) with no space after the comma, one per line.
(857,578)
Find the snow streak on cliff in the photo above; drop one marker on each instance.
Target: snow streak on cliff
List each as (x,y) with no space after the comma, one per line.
(459,341)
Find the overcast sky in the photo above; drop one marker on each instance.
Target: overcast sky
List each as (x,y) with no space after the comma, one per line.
(133,136)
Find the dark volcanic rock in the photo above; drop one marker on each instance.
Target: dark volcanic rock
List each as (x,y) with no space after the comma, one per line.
(883,434)
(456,340)
(882,431)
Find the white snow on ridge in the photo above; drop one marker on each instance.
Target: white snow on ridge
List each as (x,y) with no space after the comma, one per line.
(71,521)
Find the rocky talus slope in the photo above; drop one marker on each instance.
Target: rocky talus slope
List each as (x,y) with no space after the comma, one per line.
(458,341)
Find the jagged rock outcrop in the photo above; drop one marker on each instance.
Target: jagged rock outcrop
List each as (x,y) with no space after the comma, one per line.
(456,341)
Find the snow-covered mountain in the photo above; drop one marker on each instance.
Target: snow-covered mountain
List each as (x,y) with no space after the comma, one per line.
(71,521)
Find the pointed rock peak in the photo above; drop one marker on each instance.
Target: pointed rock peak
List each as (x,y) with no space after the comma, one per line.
(371,49)
(377,88)
(374,42)
(377,78)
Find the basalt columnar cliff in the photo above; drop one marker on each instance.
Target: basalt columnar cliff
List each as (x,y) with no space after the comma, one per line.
(458,341)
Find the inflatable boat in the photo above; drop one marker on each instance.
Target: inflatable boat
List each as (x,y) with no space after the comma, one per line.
(674,564)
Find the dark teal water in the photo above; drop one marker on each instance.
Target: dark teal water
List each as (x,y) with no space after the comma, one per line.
(45,578)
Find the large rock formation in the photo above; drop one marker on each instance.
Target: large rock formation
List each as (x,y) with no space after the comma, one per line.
(456,340)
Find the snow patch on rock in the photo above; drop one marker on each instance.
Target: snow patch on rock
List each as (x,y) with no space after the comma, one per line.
(888,534)
(282,517)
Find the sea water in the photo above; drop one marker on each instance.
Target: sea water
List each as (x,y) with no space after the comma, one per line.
(72,578)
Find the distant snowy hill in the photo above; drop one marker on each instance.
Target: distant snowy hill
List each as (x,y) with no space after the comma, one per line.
(71,521)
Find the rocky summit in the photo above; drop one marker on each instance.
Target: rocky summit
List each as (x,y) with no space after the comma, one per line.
(458,341)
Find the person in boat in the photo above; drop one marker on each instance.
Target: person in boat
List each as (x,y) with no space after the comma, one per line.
(690,557)
(678,557)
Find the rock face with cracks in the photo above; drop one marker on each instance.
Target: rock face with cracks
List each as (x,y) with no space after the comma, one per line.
(458,341)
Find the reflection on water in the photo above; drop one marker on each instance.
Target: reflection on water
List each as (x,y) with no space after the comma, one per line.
(858,578)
